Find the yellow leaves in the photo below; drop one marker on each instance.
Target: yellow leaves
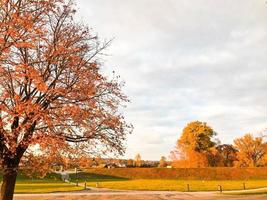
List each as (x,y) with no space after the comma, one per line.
(195,145)
(197,136)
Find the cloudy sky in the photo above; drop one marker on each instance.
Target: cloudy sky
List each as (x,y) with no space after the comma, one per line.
(182,61)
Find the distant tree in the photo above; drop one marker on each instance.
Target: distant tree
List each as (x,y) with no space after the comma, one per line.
(84,161)
(251,151)
(194,145)
(163,161)
(227,154)
(138,161)
(130,163)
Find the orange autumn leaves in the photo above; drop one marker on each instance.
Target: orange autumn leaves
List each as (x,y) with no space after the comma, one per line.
(194,146)
(252,151)
(197,147)
(53,97)
(51,87)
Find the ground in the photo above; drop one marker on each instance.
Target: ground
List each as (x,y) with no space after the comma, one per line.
(138,196)
(148,189)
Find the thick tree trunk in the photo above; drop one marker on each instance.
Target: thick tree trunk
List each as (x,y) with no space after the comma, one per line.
(8,185)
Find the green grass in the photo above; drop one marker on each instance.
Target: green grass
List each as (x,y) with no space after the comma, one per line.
(29,187)
(51,177)
(90,177)
(113,182)
(178,185)
(50,183)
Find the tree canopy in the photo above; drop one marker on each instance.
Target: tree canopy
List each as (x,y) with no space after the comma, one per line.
(51,90)
(252,152)
(194,145)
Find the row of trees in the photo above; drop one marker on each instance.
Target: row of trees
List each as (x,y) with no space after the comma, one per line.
(138,162)
(41,164)
(197,147)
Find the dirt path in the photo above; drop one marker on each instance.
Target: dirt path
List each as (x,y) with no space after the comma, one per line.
(136,195)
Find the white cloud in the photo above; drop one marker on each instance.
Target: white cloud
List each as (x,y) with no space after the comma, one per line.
(185,60)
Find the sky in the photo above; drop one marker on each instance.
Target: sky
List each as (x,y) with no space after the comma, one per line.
(185,60)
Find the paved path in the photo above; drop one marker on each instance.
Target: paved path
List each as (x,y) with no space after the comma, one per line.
(136,195)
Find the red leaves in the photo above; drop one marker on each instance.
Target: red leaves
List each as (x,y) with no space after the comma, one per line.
(27,74)
(2,41)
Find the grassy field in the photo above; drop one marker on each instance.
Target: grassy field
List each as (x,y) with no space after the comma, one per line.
(198,179)
(51,177)
(113,182)
(51,183)
(39,187)
(91,177)
(179,185)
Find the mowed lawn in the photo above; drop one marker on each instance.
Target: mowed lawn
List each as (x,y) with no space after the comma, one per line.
(38,187)
(113,182)
(51,183)
(179,185)
(54,184)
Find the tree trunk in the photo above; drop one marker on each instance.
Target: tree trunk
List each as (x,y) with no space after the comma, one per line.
(8,185)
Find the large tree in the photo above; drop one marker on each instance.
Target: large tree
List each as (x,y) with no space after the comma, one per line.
(227,154)
(252,152)
(51,89)
(192,148)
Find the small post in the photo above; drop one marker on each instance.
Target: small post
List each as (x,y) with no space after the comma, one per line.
(77,183)
(220,188)
(97,184)
(85,185)
(188,188)
(244,186)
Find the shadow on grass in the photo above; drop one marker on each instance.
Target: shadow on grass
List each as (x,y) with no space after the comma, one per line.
(91,177)
(34,178)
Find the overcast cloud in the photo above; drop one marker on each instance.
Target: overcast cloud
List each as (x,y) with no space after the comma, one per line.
(185,60)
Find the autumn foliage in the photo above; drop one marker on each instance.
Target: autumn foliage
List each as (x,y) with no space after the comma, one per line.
(197,148)
(194,148)
(252,151)
(51,88)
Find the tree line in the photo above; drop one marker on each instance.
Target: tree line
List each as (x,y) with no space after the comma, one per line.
(198,147)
